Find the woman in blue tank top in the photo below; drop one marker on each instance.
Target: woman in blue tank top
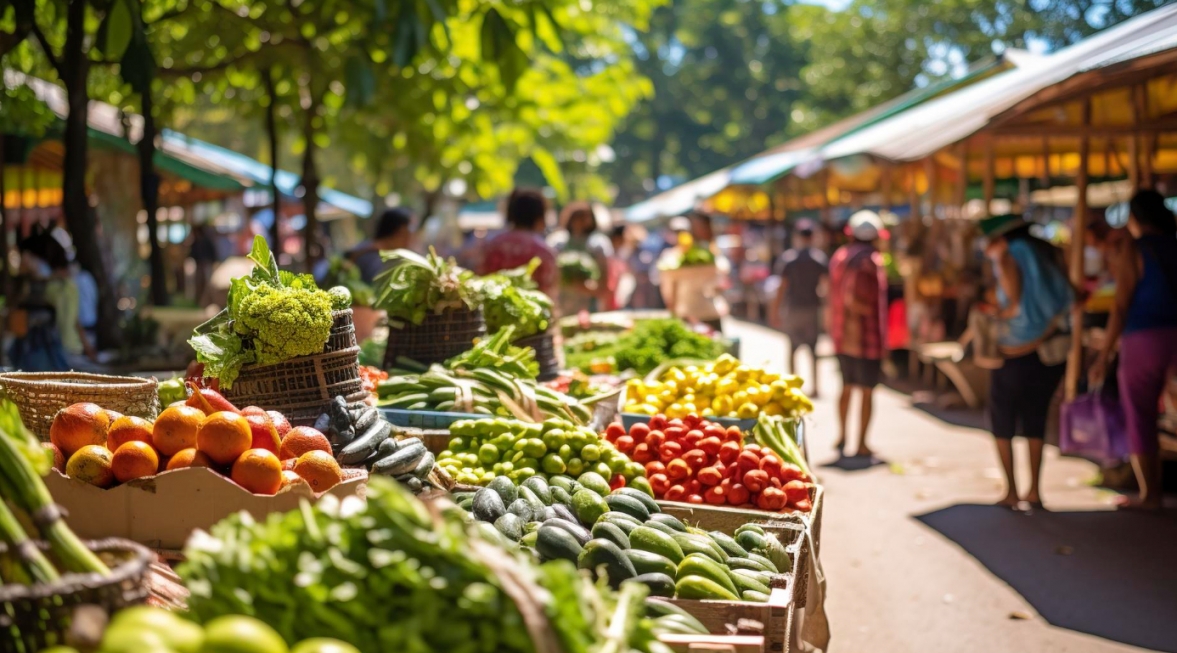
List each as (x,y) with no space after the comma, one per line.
(1144,322)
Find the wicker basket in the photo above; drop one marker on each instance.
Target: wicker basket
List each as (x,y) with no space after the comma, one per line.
(300,388)
(343,332)
(38,616)
(544,345)
(39,395)
(437,339)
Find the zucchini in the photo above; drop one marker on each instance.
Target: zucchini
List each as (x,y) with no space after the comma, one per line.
(510,526)
(645,499)
(606,531)
(560,495)
(755,596)
(702,589)
(747,563)
(659,584)
(588,506)
(527,495)
(554,543)
(729,545)
(404,460)
(645,562)
(504,488)
(539,486)
(365,443)
(768,564)
(697,564)
(745,583)
(659,526)
(521,509)
(563,512)
(488,506)
(577,531)
(669,520)
(755,528)
(602,553)
(654,541)
(628,505)
(658,608)
(751,540)
(698,544)
(621,520)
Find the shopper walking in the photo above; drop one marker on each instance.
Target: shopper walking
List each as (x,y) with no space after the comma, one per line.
(526,213)
(582,235)
(1144,322)
(1033,297)
(796,307)
(858,310)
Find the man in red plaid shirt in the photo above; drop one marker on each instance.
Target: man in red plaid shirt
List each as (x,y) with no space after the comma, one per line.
(858,310)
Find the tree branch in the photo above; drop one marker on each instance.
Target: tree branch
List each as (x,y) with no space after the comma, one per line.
(169,15)
(48,49)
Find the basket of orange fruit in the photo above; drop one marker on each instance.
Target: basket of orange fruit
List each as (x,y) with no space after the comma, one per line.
(40,395)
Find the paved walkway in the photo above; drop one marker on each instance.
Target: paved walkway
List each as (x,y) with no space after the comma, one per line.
(917,562)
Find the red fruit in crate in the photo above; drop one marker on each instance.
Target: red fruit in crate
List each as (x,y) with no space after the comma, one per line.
(692,421)
(639,432)
(624,444)
(804,505)
(677,422)
(775,482)
(659,483)
(791,472)
(710,476)
(210,401)
(655,467)
(265,436)
(695,458)
(714,431)
(655,439)
(737,494)
(675,493)
(755,480)
(748,460)
(252,410)
(674,433)
(642,454)
(678,469)
(692,437)
(771,464)
(694,498)
(753,447)
(732,471)
(728,452)
(693,486)
(658,422)
(281,424)
(771,499)
(617,482)
(796,491)
(711,446)
(669,452)
(734,434)
(715,496)
(614,431)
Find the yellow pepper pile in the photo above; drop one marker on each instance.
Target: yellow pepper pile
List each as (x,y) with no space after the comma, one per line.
(722,388)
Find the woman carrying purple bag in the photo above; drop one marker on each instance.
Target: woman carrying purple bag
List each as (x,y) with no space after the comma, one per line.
(1144,321)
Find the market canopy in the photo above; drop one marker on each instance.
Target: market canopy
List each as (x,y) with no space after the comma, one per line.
(680,199)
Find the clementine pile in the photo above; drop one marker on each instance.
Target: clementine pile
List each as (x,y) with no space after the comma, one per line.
(175,429)
(78,426)
(224,436)
(134,459)
(319,469)
(127,429)
(258,471)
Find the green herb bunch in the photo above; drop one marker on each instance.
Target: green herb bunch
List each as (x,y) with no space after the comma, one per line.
(510,298)
(417,286)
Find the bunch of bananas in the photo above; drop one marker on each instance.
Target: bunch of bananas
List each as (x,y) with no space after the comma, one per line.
(722,388)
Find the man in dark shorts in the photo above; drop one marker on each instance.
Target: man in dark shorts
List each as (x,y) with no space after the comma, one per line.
(858,298)
(802,271)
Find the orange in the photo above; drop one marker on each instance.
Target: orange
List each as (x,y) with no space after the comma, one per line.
(265,436)
(189,458)
(288,464)
(92,464)
(224,436)
(258,471)
(134,459)
(280,422)
(290,478)
(303,439)
(319,469)
(78,426)
(175,429)
(58,457)
(126,429)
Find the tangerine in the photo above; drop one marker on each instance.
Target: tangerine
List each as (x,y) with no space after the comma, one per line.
(319,469)
(290,478)
(259,471)
(265,436)
(301,440)
(92,464)
(189,458)
(127,428)
(224,436)
(78,426)
(134,459)
(175,429)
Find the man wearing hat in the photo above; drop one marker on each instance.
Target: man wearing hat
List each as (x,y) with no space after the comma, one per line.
(858,310)
(801,270)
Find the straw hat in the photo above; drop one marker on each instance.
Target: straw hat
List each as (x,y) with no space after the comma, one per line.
(865,226)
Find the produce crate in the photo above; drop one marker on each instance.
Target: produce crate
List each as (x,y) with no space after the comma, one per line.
(426,419)
(714,643)
(775,615)
(629,419)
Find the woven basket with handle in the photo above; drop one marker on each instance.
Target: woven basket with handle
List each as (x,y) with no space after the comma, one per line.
(544,345)
(39,395)
(35,617)
(437,339)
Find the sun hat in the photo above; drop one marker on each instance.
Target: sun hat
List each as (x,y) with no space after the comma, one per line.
(865,226)
(680,223)
(995,226)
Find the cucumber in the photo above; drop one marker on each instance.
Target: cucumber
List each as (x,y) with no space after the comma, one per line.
(594,482)
(466,503)
(645,562)
(488,506)
(654,541)
(555,543)
(754,596)
(679,625)
(747,563)
(751,540)
(669,520)
(404,460)
(510,526)
(762,577)
(540,487)
(588,506)
(365,419)
(504,488)
(702,589)
(603,555)
(746,583)
(659,526)
(658,609)
(697,564)
(563,512)
(645,499)
(577,531)
(424,465)
(560,495)
(527,495)
(561,481)
(729,545)
(755,528)
(365,443)
(606,531)
(768,564)
(521,509)
(620,520)
(659,584)
(697,544)
(628,505)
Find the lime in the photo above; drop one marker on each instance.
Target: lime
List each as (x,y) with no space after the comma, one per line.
(575,466)
(323,645)
(534,447)
(142,625)
(590,453)
(603,469)
(553,464)
(565,451)
(241,634)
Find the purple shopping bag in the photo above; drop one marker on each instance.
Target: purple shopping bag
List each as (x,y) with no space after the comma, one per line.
(1092,426)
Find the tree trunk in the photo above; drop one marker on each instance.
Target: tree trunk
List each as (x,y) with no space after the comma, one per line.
(149,192)
(310,184)
(5,278)
(81,221)
(272,130)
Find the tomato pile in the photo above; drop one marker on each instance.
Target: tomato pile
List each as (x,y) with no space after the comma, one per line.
(690,459)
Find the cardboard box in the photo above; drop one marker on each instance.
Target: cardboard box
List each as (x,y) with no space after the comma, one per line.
(162,511)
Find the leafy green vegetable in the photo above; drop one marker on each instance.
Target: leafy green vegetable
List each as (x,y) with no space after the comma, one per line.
(509,297)
(421,285)
(577,266)
(497,353)
(648,345)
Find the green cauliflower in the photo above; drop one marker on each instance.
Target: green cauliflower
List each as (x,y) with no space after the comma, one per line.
(284,322)
(340,298)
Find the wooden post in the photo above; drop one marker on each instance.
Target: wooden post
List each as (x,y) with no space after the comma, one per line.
(913,195)
(1078,238)
(1139,115)
(988,182)
(930,173)
(962,183)
(824,181)
(885,204)
(1134,161)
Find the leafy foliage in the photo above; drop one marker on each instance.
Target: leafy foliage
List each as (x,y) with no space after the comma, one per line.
(510,298)
(417,286)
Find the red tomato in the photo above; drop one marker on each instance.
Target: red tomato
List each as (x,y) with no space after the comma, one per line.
(692,421)
(658,422)
(771,464)
(655,467)
(639,432)
(711,446)
(693,486)
(748,460)
(624,444)
(613,431)
(732,471)
(796,491)
(669,451)
(692,437)
(715,496)
(659,483)
(674,433)
(710,476)
(753,447)
(791,472)
(737,494)
(655,439)
(733,434)
(642,454)
(677,422)
(714,431)
(771,499)
(617,482)
(678,469)
(675,493)
(775,482)
(756,480)
(694,498)
(695,458)
(728,452)
(804,505)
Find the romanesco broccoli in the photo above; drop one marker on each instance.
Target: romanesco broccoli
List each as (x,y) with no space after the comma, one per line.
(284,322)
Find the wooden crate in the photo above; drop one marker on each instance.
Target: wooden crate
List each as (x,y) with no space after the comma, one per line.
(727,617)
(714,643)
(725,519)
